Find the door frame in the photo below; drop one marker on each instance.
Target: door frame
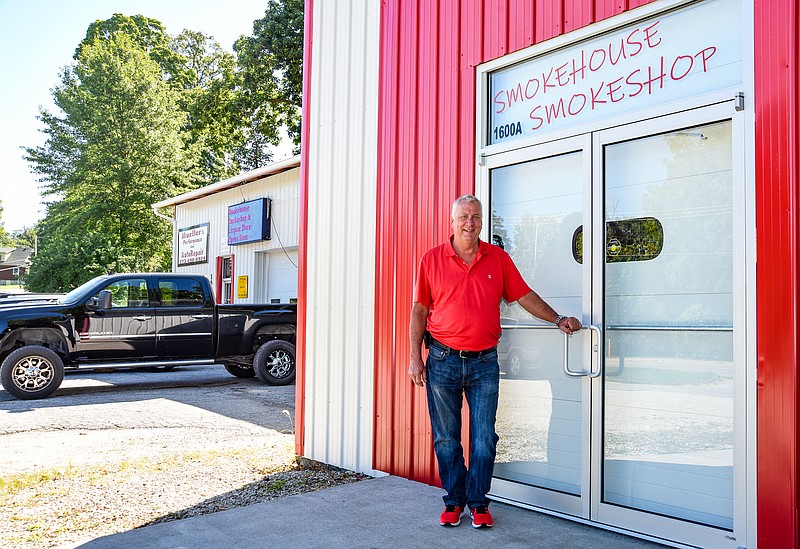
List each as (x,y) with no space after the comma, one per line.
(591,510)
(744,408)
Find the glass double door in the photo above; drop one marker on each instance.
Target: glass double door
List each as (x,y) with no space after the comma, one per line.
(633,423)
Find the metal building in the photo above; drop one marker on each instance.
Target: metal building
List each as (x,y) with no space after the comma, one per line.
(638,159)
(242,233)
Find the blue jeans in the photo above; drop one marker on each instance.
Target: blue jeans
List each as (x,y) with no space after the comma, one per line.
(449,378)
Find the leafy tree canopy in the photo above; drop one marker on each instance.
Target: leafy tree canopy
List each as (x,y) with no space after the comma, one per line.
(271,65)
(144,116)
(118,148)
(214,125)
(5,239)
(149,35)
(26,237)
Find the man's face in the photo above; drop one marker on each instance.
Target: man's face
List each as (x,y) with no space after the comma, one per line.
(467,222)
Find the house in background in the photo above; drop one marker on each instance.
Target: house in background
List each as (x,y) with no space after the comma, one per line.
(14,264)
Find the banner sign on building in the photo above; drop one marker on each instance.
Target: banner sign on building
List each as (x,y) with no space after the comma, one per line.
(655,61)
(193,245)
(249,221)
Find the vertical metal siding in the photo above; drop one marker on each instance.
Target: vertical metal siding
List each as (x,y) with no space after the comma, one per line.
(339,155)
(577,14)
(777,89)
(426,123)
(282,188)
(550,19)
(302,276)
(425,145)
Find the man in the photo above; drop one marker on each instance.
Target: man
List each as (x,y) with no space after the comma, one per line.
(457,301)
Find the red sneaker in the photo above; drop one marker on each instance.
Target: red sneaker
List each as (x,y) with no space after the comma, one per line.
(451,516)
(481,517)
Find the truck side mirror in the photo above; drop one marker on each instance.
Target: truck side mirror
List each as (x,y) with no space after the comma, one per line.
(102,301)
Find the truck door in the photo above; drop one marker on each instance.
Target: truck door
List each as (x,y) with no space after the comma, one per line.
(184,318)
(126,330)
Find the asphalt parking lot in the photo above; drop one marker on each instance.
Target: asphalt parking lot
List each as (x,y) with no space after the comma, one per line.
(96,416)
(111,450)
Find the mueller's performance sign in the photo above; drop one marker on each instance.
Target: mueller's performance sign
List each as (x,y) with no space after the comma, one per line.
(249,221)
(193,245)
(675,56)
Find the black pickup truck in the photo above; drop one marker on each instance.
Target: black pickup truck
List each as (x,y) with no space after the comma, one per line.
(141,320)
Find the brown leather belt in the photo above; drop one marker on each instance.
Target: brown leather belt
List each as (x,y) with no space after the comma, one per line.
(462,354)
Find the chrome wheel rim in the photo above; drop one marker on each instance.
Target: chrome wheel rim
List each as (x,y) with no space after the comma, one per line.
(280,363)
(32,373)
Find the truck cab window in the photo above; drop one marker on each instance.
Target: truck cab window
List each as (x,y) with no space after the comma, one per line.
(181,292)
(128,293)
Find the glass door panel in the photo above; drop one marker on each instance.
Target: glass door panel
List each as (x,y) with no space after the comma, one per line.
(537,208)
(668,407)
(632,230)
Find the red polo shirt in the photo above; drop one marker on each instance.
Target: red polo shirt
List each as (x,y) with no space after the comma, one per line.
(464,300)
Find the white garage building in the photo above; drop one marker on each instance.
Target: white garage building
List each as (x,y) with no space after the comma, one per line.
(242,233)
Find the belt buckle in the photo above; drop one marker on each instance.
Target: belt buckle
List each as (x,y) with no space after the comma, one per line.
(461,354)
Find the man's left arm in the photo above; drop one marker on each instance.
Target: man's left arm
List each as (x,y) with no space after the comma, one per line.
(539,308)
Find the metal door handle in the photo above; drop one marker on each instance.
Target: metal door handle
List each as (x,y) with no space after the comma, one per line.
(199,316)
(595,351)
(142,318)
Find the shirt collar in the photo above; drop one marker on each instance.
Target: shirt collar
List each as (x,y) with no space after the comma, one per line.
(484,248)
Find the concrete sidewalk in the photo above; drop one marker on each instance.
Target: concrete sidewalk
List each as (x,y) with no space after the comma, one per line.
(387,512)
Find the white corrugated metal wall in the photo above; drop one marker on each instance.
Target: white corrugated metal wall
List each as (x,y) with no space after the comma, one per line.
(342,165)
(284,190)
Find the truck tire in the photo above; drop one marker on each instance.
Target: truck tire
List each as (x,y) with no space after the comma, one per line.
(31,372)
(274,362)
(240,371)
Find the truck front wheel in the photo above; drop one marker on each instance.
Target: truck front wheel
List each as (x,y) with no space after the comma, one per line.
(31,372)
(274,362)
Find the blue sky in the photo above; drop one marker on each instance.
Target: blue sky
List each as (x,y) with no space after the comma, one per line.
(39,37)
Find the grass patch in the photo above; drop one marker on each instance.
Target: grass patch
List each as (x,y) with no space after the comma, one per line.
(49,507)
(43,482)
(277,486)
(13,484)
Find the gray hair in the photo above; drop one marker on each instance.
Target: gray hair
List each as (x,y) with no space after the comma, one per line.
(467,198)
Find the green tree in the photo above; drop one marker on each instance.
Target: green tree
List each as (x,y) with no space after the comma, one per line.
(271,65)
(118,148)
(210,93)
(150,36)
(69,259)
(26,237)
(5,239)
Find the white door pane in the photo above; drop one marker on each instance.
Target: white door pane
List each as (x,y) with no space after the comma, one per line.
(536,210)
(668,388)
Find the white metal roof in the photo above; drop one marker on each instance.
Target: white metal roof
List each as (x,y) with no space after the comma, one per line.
(242,178)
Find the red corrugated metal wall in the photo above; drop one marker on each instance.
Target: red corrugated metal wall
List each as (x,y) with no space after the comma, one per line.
(426,143)
(426,158)
(426,126)
(777,92)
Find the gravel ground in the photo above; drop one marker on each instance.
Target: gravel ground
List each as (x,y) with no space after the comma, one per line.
(97,460)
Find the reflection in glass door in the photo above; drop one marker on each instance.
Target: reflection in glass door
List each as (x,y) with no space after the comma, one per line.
(668,429)
(537,207)
(631,229)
